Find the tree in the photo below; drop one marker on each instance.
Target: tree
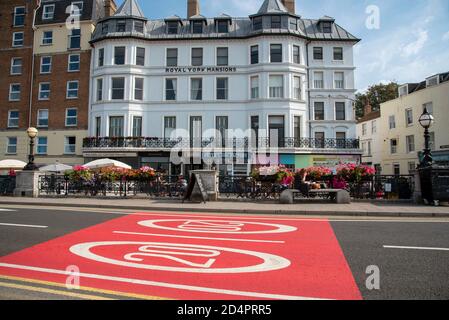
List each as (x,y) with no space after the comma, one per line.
(376,94)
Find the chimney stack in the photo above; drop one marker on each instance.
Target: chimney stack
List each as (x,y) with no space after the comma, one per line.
(290,5)
(193,8)
(367,109)
(109,8)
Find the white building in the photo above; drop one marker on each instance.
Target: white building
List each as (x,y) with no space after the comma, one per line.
(271,72)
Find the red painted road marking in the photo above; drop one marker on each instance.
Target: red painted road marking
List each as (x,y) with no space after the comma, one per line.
(194,257)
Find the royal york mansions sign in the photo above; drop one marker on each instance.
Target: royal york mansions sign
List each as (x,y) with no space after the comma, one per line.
(200,69)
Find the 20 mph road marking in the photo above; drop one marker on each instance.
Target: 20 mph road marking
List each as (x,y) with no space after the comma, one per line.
(416,248)
(163,284)
(22,225)
(190,237)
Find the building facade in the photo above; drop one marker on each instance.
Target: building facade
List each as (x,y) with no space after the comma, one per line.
(400,139)
(56,65)
(184,83)
(368,134)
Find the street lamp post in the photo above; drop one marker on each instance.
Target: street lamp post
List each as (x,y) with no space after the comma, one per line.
(32,134)
(426,120)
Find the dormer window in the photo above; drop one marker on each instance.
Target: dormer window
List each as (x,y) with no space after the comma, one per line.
(138,26)
(257,23)
(48,12)
(275,22)
(326,27)
(294,24)
(433,81)
(197,27)
(222,26)
(76,8)
(121,25)
(172,27)
(403,90)
(104,28)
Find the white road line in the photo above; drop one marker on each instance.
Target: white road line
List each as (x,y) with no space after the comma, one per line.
(22,225)
(192,237)
(416,248)
(162,284)
(6,210)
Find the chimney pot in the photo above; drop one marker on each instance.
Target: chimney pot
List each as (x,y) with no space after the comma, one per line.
(193,8)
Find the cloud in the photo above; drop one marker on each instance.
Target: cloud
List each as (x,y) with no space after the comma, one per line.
(446,36)
(413,48)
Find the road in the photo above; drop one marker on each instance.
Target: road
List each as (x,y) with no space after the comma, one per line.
(121,254)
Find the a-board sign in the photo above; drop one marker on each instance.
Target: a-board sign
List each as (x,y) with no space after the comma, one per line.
(195,179)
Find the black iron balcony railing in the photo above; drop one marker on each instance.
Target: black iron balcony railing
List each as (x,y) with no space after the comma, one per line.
(242,143)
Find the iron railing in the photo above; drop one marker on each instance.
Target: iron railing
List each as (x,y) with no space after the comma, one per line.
(245,143)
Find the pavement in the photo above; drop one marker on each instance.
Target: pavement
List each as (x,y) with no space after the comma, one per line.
(143,254)
(379,208)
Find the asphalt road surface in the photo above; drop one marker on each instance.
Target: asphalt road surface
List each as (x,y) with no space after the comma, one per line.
(316,258)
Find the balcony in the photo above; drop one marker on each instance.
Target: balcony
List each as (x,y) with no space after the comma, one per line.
(146,143)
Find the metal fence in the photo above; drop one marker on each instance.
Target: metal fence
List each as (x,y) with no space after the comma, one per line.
(7,185)
(59,185)
(389,187)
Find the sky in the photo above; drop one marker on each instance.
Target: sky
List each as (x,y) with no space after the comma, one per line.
(402,40)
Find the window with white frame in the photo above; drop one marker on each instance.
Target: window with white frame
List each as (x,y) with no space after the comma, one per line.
(393,146)
(296,55)
(101,57)
(254,54)
(99,89)
(97,127)
(276,89)
(138,26)
(340,111)
(374,127)
(276,53)
(338,53)
(410,143)
(432,141)
(222,88)
(76,8)
(120,26)
(118,88)
(46,64)
(17,39)
(317,53)
(429,107)
(222,56)
(137,126)
(13,119)
(408,117)
(138,88)
(72,89)
(71,117)
(47,38)
(140,56)
(19,17)
(48,12)
(171,86)
(74,62)
(369,148)
(318,79)
(433,81)
(197,56)
(392,122)
(396,169)
(254,87)
(403,90)
(69,145)
(16,66)
(119,55)
(318,107)
(297,88)
(42,145)
(11,147)
(169,127)
(339,80)
(411,167)
(14,92)
(196,89)
(172,57)
(116,126)
(364,129)
(75,39)
(42,118)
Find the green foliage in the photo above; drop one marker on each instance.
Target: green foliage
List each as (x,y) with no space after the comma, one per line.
(376,94)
